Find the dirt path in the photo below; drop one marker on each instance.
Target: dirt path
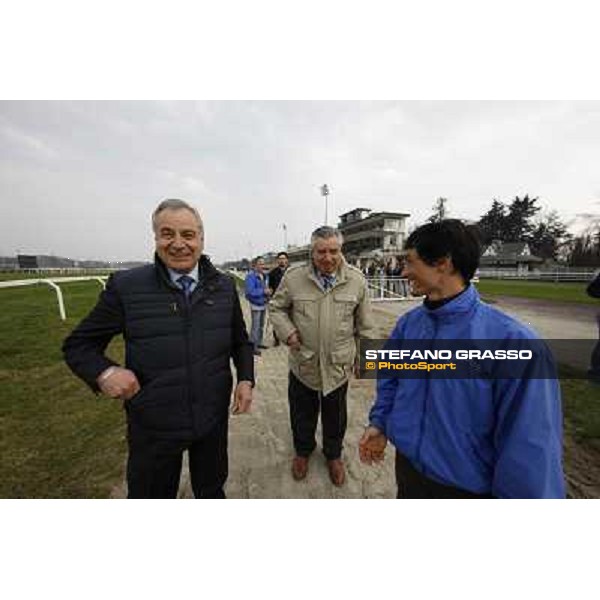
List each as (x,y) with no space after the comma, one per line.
(260,449)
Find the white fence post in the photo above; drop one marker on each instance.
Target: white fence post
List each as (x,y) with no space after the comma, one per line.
(388,288)
(59,297)
(53,284)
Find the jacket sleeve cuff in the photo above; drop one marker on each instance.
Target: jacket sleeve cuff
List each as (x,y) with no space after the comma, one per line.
(250,381)
(91,374)
(377,422)
(245,364)
(285,332)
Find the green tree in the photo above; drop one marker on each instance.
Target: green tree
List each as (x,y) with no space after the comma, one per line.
(549,236)
(518,226)
(585,250)
(492,223)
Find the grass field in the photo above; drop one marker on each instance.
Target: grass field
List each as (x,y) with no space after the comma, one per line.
(537,290)
(59,440)
(581,401)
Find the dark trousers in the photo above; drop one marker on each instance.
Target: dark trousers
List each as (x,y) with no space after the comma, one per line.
(304,414)
(154,465)
(413,484)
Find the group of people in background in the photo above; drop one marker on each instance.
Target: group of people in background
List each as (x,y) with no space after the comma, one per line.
(259,287)
(182,323)
(391,267)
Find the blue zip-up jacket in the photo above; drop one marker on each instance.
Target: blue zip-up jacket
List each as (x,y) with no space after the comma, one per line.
(501,437)
(255,289)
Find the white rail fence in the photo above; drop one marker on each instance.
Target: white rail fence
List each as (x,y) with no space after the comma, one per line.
(54,284)
(380,288)
(388,289)
(383,288)
(554,276)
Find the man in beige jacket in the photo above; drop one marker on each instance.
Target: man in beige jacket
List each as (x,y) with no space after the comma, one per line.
(321,310)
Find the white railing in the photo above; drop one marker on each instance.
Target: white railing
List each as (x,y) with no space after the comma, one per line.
(380,288)
(239,275)
(53,283)
(57,270)
(555,276)
(388,288)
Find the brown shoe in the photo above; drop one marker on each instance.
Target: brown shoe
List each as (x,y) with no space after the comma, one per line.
(337,473)
(299,467)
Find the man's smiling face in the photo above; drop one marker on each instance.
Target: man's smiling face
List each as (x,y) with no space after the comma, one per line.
(179,239)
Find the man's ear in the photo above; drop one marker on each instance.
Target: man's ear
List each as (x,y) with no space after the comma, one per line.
(445,265)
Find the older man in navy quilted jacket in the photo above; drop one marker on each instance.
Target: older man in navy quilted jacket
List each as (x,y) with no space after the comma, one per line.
(182,324)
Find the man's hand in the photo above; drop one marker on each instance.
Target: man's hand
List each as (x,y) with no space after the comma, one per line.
(356,370)
(371,447)
(242,398)
(117,382)
(268,292)
(293,340)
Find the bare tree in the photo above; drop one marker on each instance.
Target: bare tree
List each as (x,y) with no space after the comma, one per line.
(440,212)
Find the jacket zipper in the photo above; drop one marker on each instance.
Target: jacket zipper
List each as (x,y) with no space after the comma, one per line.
(424,411)
(201,295)
(187,324)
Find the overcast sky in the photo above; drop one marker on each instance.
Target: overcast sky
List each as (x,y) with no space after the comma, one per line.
(80,179)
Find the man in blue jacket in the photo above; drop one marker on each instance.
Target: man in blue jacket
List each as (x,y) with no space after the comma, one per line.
(467,437)
(257,293)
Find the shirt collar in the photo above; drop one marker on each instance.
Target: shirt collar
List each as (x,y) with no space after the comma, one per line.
(322,276)
(174,275)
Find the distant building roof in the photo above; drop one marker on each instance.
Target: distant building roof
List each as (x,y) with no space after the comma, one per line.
(391,215)
(354,210)
(508,253)
(373,214)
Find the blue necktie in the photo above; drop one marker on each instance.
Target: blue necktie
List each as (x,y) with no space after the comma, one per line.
(186,282)
(327,282)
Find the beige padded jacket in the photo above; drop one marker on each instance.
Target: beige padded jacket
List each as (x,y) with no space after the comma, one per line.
(329,323)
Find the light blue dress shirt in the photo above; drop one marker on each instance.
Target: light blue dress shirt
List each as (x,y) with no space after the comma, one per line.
(174,275)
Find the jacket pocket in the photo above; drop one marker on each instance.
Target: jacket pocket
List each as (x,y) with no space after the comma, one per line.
(344,306)
(303,355)
(305,307)
(305,359)
(344,355)
(161,408)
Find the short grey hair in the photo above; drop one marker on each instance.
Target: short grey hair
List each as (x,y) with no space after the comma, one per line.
(324,233)
(174,204)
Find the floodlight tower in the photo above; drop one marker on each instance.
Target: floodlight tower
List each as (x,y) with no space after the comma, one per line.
(325,192)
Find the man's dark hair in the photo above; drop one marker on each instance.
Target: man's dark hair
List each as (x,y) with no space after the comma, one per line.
(282,254)
(448,238)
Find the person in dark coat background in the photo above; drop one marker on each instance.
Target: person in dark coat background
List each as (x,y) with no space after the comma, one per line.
(275,277)
(182,323)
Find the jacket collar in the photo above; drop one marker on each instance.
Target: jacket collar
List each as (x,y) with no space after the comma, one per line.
(340,275)
(464,303)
